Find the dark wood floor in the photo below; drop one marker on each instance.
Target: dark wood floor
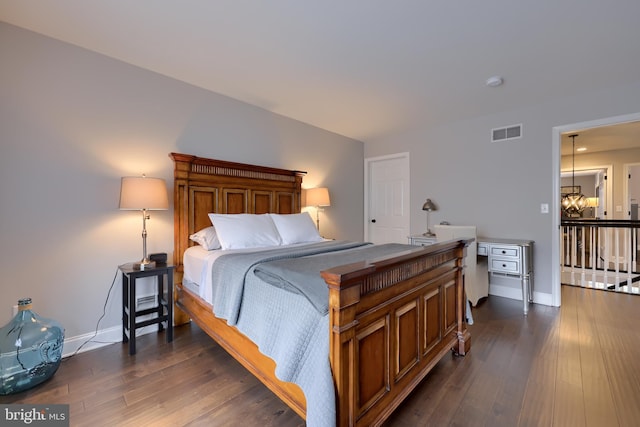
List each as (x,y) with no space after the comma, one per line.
(574,366)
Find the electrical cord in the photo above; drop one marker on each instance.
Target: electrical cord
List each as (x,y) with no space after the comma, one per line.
(104,312)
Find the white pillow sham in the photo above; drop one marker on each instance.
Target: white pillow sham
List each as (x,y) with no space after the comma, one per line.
(296,228)
(207,238)
(240,231)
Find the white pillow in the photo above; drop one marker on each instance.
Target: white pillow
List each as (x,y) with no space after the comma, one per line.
(239,231)
(207,238)
(296,228)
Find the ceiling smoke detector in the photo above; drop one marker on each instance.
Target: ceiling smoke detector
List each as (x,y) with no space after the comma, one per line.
(494,81)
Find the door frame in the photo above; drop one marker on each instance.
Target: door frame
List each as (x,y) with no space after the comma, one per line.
(367,186)
(555,190)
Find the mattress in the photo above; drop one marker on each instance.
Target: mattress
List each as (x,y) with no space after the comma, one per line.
(197,263)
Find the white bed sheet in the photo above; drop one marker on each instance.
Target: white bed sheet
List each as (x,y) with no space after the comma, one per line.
(198,261)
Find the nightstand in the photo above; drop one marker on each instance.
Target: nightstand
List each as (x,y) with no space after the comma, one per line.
(422,240)
(163,310)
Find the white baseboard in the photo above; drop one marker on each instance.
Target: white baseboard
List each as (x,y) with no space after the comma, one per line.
(104,337)
(543,298)
(505,291)
(516,293)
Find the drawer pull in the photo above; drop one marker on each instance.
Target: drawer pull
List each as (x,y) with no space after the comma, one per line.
(504,265)
(504,252)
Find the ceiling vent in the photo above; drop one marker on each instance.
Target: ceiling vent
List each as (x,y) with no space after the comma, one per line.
(506,133)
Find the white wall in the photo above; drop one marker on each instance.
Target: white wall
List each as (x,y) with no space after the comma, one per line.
(72,122)
(499,186)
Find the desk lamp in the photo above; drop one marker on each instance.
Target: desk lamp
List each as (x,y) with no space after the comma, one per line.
(429,206)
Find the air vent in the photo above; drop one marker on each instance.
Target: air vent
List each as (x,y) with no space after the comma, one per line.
(506,133)
(145,301)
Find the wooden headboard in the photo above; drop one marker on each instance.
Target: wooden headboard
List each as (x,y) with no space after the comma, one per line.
(202,186)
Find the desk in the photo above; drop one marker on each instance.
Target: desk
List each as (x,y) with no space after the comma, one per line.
(510,258)
(164,302)
(422,240)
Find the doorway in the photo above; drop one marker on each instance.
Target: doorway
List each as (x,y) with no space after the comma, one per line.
(555,201)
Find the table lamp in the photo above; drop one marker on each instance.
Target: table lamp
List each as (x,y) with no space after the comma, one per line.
(318,197)
(143,194)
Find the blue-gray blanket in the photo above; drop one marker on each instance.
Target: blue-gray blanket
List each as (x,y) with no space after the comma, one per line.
(230,272)
(302,275)
(289,321)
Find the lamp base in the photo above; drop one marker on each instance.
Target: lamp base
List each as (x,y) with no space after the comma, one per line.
(145,264)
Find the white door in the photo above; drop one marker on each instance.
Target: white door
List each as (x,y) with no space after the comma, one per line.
(601,194)
(387,199)
(633,191)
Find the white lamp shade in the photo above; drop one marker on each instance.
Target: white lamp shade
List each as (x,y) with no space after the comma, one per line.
(139,192)
(318,197)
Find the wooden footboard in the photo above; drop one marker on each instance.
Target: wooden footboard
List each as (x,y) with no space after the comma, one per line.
(391,321)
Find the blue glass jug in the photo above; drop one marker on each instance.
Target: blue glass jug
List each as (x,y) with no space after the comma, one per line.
(30,350)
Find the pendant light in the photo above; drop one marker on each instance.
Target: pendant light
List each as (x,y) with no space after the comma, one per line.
(574,202)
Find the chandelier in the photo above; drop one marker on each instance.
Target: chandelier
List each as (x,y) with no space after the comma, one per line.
(574,203)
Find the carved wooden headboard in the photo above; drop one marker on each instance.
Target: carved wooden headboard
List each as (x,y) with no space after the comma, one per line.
(203,186)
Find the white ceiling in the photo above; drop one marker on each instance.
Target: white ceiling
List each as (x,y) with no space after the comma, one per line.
(360,68)
(615,137)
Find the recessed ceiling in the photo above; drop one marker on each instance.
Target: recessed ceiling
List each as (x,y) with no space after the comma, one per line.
(360,68)
(606,138)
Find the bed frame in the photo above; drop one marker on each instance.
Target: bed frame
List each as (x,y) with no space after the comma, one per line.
(390,320)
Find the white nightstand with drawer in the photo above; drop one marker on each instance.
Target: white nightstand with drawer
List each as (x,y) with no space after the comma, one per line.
(511,258)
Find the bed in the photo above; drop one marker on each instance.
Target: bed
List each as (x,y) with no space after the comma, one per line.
(389,319)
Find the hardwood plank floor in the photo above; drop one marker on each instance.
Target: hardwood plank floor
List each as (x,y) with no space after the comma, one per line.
(574,366)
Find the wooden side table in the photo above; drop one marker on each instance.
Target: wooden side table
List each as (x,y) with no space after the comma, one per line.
(164,302)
